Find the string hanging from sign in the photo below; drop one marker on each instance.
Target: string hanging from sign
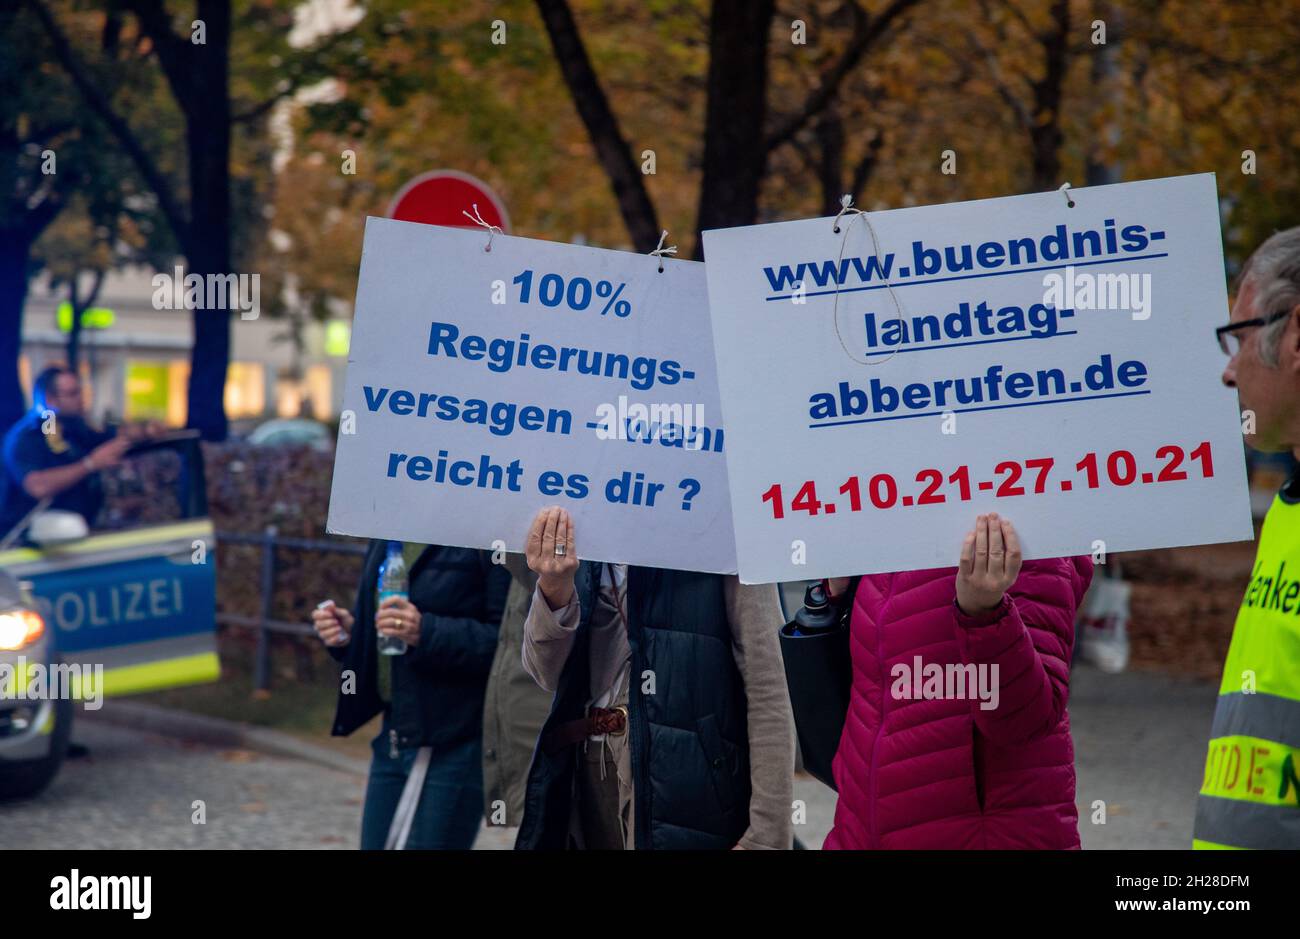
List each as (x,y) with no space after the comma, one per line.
(847,208)
(477,219)
(660,251)
(1065,191)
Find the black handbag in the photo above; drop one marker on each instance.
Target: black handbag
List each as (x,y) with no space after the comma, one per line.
(818,674)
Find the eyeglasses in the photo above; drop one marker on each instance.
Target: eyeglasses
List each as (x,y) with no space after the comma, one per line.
(1230,342)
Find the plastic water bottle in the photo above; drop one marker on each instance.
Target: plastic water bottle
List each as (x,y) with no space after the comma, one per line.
(392,583)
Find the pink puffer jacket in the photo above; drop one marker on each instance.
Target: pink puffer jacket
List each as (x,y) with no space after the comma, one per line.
(918,769)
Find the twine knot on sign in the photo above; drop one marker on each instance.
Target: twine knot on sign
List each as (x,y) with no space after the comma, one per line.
(477,219)
(660,251)
(846,208)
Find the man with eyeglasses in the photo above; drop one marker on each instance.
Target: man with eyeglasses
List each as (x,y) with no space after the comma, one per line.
(1250,795)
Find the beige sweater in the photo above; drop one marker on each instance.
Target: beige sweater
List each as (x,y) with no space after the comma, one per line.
(755,618)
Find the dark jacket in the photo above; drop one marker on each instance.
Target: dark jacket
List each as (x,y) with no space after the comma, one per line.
(687,718)
(27,449)
(437,687)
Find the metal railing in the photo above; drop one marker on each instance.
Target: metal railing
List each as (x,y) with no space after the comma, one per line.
(264,624)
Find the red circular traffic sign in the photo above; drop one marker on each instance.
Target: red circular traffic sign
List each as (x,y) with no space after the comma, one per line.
(440,196)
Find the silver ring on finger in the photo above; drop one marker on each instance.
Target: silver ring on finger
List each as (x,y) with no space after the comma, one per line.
(560,548)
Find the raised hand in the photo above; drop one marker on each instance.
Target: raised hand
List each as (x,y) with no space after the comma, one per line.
(990,564)
(553,555)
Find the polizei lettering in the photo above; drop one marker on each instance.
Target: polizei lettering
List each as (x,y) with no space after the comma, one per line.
(129,602)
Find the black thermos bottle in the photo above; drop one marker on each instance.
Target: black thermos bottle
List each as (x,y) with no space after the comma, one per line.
(817,615)
(818,672)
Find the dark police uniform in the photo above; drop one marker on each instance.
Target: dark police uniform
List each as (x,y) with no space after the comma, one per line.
(27,449)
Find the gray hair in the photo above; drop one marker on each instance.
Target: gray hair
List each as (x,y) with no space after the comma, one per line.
(1274,271)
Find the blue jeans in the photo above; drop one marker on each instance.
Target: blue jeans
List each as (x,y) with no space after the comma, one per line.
(451,803)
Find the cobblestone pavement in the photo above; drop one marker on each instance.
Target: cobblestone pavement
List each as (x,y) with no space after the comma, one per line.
(137,790)
(1139,747)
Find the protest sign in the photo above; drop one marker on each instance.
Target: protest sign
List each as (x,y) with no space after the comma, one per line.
(485,384)
(1056,364)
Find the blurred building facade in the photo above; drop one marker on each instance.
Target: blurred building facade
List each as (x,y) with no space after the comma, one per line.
(137,367)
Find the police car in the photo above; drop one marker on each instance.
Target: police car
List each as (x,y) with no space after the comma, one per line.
(87,615)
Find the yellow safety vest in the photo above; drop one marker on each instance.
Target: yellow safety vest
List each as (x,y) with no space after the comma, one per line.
(1250,796)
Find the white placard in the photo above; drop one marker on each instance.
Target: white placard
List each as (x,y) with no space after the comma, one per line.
(1056,365)
(486,385)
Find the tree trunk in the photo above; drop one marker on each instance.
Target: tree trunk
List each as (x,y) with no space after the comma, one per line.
(612,150)
(1104,68)
(830,158)
(208,248)
(74,334)
(735,156)
(1045,135)
(199,76)
(14,250)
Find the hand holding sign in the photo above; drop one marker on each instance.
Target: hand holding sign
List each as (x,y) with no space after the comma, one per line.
(552,555)
(990,564)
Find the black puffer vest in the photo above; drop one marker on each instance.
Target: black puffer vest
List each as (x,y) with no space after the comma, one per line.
(687,719)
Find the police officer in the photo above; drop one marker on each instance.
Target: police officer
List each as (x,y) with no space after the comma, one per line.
(53,453)
(1250,794)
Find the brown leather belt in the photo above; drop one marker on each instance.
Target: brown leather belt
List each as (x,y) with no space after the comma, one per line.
(598,721)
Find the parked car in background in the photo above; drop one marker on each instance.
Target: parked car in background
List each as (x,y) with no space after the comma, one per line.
(293,431)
